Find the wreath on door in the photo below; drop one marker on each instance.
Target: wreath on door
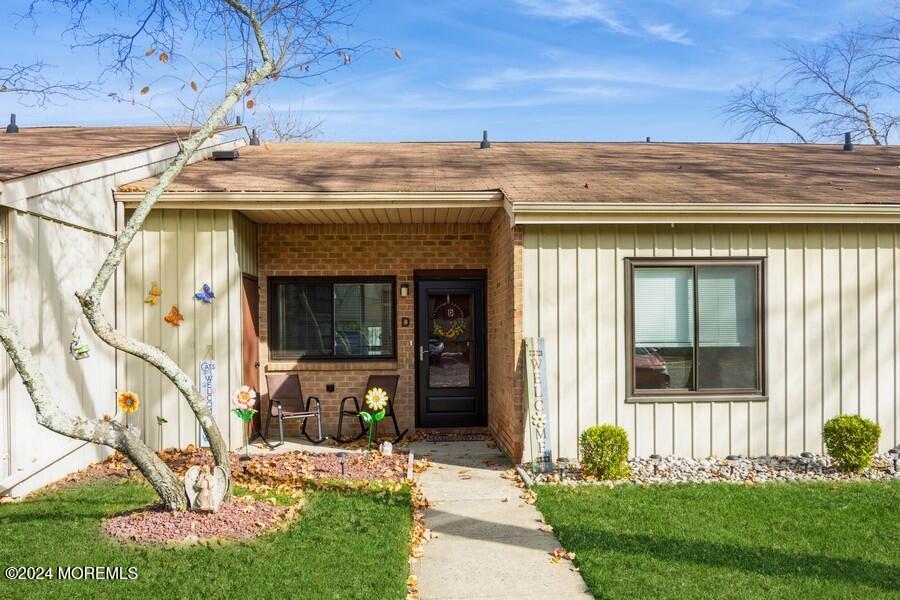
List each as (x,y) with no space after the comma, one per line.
(449,320)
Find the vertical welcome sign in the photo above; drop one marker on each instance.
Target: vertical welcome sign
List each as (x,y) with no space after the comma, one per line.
(207,391)
(538,412)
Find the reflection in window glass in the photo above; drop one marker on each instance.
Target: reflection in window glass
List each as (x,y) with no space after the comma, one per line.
(725,316)
(727,306)
(321,319)
(663,327)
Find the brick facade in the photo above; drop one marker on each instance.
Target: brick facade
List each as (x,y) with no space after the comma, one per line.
(400,251)
(504,300)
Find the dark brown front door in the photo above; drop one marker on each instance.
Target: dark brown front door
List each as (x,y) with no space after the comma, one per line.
(250,343)
(450,334)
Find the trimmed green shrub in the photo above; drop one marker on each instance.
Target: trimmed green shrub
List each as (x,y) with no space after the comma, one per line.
(852,441)
(604,451)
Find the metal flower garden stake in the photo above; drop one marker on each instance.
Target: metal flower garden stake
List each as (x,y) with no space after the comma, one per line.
(376,402)
(243,399)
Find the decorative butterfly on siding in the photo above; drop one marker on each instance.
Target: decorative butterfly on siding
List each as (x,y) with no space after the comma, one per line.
(174,317)
(205,295)
(154,294)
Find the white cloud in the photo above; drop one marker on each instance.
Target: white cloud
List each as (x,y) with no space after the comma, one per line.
(591,74)
(668,33)
(576,10)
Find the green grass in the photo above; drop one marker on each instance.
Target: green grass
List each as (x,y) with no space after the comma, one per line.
(729,541)
(345,545)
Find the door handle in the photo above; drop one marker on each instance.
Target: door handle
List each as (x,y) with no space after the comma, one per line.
(421,352)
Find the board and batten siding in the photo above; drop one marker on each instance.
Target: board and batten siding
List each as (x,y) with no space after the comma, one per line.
(181,250)
(832,335)
(48,261)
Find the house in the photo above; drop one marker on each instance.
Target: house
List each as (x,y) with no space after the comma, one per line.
(711,299)
(57,221)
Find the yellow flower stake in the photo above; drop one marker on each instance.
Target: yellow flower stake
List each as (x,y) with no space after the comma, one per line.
(376,399)
(129,402)
(376,402)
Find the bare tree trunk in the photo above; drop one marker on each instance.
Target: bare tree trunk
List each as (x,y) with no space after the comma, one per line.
(90,298)
(108,433)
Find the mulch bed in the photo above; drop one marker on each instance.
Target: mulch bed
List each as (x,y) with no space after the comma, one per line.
(288,468)
(238,520)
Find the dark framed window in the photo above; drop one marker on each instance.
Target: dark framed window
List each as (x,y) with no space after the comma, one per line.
(333,318)
(695,327)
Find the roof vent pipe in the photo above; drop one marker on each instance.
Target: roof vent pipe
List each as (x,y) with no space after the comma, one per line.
(237,120)
(485,143)
(848,145)
(254,137)
(648,139)
(12,127)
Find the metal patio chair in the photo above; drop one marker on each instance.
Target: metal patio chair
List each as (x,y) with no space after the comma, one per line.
(386,382)
(286,402)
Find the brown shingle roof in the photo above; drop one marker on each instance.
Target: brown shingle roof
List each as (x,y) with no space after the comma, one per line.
(37,149)
(564,172)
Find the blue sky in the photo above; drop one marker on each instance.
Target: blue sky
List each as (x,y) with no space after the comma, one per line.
(523,69)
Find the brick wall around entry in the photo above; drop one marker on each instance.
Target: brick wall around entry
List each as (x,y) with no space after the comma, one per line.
(400,251)
(359,250)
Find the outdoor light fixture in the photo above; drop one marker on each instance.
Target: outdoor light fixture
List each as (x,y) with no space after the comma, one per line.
(563,467)
(731,459)
(342,457)
(806,457)
(656,458)
(895,453)
(245,463)
(404,290)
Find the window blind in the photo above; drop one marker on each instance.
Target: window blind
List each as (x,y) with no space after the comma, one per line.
(727,306)
(664,306)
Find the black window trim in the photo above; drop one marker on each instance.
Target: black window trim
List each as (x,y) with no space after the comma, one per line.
(709,395)
(273,282)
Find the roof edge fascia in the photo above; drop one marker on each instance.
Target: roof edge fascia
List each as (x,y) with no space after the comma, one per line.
(250,201)
(574,213)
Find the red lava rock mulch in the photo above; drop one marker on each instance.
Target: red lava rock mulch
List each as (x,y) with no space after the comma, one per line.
(241,519)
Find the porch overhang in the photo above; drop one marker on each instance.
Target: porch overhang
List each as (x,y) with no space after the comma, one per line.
(337,207)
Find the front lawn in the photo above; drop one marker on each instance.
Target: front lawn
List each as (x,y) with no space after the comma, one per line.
(347,545)
(812,540)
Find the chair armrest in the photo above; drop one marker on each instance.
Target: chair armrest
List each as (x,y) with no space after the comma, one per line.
(355,402)
(309,401)
(275,403)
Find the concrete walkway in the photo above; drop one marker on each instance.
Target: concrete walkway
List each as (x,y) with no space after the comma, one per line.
(488,543)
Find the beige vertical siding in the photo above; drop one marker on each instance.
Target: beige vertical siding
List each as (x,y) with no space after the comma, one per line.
(48,262)
(831,334)
(246,236)
(5,374)
(182,250)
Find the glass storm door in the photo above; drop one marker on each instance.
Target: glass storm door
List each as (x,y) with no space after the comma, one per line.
(451,353)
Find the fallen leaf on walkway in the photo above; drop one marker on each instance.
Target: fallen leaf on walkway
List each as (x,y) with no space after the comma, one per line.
(554,560)
(546,528)
(528,496)
(505,499)
(560,553)
(465,477)
(510,474)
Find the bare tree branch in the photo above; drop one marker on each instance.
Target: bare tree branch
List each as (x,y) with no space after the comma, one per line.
(850,83)
(288,126)
(757,111)
(106,432)
(30,83)
(275,38)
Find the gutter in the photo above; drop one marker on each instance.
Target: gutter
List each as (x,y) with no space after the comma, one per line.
(638,213)
(260,200)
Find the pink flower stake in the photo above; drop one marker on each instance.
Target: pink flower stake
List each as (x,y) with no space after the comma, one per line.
(244,399)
